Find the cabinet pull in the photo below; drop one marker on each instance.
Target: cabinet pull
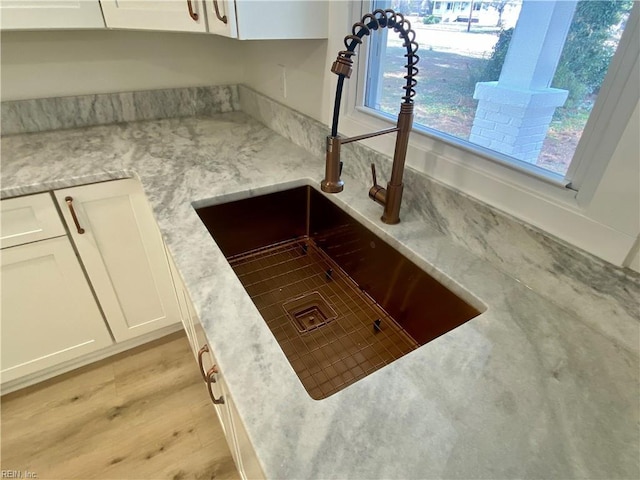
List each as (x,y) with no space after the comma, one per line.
(192,14)
(205,348)
(210,379)
(69,201)
(222,18)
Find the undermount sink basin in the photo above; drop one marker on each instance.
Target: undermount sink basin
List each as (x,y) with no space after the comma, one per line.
(341,302)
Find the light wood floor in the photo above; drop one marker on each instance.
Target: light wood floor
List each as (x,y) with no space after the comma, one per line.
(143,414)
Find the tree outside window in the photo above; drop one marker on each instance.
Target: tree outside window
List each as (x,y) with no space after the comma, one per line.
(457,65)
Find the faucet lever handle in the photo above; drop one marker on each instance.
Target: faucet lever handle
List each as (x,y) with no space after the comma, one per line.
(376,192)
(340,171)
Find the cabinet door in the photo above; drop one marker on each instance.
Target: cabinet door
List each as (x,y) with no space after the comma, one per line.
(206,359)
(123,253)
(247,463)
(171,15)
(239,444)
(282,19)
(262,20)
(223,20)
(183,303)
(49,314)
(38,14)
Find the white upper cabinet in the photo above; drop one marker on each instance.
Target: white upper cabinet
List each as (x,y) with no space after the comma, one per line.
(116,235)
(241,19)
(168,15)
(221,17)
(259,19)
(50,14)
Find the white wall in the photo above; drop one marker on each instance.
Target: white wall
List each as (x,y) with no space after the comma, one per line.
(621,183)
(301,62)
(60,63)
(310,83)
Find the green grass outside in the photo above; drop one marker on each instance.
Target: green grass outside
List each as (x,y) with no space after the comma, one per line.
(444,101)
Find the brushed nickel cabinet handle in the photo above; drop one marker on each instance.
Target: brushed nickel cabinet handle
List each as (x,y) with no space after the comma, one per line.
(210,379)
(192,14)
(69,201)
(222,18)
(205,348)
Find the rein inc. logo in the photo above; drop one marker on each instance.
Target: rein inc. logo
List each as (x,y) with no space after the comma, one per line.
(17,474)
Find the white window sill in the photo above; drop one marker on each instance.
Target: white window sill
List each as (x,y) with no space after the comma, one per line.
(487,154)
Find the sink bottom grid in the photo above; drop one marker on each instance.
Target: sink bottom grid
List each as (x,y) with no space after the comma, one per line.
(332,332)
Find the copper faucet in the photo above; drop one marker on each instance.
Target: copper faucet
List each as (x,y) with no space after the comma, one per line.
(390,197)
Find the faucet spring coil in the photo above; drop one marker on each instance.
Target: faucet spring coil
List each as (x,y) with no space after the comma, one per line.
(386,19)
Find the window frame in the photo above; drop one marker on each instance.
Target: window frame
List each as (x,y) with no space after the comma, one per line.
(536,197)
(585,159)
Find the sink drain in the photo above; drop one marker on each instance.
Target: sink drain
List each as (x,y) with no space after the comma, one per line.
(309,311)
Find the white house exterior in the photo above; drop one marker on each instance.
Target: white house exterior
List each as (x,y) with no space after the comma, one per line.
(484,13)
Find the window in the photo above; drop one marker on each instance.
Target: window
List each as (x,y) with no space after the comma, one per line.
(517,82)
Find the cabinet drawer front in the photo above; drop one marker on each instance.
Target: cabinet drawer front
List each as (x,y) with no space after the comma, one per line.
(29,219)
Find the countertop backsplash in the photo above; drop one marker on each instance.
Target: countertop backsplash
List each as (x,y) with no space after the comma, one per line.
(43,114)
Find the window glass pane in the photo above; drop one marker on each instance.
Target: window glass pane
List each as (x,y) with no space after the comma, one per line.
(530,104)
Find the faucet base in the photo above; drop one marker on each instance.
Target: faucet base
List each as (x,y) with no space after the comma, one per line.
(332,187)
(389,221)
(391,215)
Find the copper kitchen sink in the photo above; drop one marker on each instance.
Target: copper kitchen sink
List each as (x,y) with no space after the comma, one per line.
(341,302)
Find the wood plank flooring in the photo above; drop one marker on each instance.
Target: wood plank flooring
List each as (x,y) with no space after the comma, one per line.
(142,414)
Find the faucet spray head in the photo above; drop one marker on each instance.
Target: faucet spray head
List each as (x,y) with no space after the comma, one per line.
(332,182)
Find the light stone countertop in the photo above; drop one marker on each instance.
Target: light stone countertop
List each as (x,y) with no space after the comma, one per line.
(528,389)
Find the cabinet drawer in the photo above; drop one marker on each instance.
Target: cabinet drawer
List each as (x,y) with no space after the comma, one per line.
(29,219)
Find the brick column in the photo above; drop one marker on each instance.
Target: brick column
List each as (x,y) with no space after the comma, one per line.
(514,113)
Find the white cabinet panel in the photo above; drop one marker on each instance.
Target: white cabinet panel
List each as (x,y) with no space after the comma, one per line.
(239,444)
(122,250)
(223,20)
(248,465)
(28,219)
(263,20)
(50,14)
(170,15)
(282,19)
(49,314)
(184,301)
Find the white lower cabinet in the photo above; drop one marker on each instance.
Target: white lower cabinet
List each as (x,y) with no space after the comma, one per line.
(239,443)
(62,308)
(49,314)
(247,462)
(121,248)
(29,219)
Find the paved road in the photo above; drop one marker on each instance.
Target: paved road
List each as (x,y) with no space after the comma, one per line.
(451,38)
